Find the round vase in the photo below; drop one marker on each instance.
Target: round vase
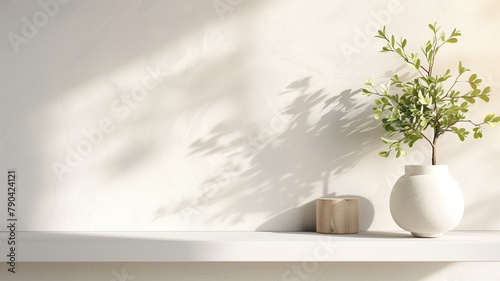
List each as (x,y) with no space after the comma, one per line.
(426,201)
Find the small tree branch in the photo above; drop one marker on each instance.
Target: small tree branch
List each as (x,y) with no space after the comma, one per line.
(426,138)
(471,122)
(453,85)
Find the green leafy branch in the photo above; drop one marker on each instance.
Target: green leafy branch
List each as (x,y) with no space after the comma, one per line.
(410,109)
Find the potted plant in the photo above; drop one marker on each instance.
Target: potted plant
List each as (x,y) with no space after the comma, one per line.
(426,201)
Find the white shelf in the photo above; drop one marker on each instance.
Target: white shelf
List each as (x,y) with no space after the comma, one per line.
(251,247)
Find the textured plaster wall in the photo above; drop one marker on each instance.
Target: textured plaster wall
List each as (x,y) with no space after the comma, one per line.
(223,115)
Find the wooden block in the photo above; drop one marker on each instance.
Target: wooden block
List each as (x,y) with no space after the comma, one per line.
(337,215)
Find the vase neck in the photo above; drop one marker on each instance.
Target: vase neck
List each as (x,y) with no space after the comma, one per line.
(426,169)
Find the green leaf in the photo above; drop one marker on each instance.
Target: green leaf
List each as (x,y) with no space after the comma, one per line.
(472,78)
(412,140)
(428,46)
(384,154)
(469,99)
(369,81)
(430,55)
(388,141)
(452,40)
(400,152)
(376,113)
(478,133)
(423,123)
(486,90)
(456,33)
(460,132)
(496,119)
(417,64)
(489,117)
(389,128)
(461,68)
(425,100)
(484,98)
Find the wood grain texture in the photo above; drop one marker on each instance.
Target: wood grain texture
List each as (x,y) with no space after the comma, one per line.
(337,215)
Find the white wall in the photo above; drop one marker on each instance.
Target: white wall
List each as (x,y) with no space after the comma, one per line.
(221,115)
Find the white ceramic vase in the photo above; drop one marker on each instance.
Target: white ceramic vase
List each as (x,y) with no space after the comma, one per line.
(426,201)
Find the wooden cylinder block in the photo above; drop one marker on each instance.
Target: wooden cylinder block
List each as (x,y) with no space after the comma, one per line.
(337,215)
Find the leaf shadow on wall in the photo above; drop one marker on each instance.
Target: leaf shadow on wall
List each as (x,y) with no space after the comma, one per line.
(276,168)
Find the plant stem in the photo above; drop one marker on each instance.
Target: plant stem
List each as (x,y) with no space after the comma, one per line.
(434,143)
(470,121)
(453,85)
(434,148)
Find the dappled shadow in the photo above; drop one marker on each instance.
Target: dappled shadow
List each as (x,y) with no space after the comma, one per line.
(104,50)
(273,168)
